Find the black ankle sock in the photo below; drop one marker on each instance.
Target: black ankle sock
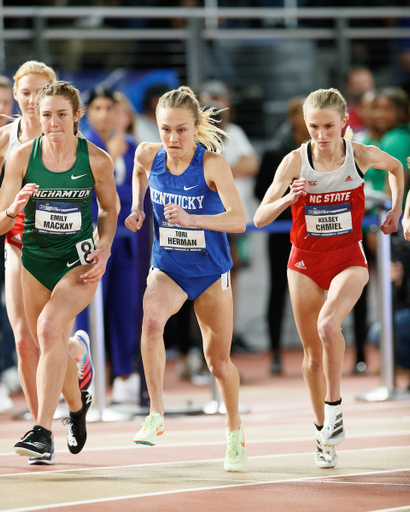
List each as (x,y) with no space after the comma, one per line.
(338,402)
(318,428)
(77,413)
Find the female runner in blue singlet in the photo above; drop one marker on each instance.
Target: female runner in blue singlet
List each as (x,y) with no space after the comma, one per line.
(195,203)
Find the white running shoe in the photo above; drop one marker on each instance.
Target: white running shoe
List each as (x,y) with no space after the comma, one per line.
(333,432)
(236,456)
(152,427)
(325,456)
(126,391)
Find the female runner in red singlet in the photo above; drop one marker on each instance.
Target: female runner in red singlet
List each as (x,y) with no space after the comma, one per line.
(327,200)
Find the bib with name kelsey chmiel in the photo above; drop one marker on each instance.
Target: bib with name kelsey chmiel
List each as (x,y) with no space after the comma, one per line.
(330,216)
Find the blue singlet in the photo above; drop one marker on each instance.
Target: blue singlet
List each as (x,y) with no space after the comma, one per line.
(189,252)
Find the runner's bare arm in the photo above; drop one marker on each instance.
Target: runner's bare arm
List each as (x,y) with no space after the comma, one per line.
(13,198)
(102,167)
(274,202)
(4,139)
(218,176)
(144,156)
(371,156)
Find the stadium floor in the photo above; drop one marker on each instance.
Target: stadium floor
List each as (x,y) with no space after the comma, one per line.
(185,469)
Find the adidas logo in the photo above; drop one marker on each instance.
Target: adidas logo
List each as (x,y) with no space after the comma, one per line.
(301,264)
(349,178)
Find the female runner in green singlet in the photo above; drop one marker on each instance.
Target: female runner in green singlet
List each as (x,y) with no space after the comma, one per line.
(29,79)
(58,222)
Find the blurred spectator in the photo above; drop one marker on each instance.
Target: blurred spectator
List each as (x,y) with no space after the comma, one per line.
(7,347)
(6,100)
(146,128)
(111,120)
(375,181)
(243,161)
(393,113)
(288,137)
(370,131)
(6,108)
(403,51)
(387,118)
(359,81)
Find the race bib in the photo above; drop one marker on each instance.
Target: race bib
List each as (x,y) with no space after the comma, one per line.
(177,238)
(332,220)
(57,218)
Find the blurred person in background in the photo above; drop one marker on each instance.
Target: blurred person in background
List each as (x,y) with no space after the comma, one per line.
(369,131)
(146,128)
(242,159)
(386,113)
(111,122)
(388,128)
(7,347)
(6,100)
(289,137)
(359,81)
(392,114)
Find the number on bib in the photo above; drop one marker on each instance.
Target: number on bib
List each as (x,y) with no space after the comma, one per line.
(84,249)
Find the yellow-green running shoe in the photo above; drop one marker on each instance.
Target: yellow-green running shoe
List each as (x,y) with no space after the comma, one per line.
(152,427)
(236,456)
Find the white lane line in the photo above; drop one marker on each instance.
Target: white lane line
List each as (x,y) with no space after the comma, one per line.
(364,483)
(196,489)
(170,463)
(406,508)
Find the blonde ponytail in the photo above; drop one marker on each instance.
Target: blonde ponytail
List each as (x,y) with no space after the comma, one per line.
(348,133)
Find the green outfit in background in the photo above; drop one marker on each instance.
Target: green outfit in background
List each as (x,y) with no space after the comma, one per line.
(395,143)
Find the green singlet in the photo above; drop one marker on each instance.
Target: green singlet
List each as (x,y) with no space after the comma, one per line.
(58,229)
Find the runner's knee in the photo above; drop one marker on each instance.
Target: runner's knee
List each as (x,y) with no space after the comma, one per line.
(218,367)
(48,333)
(313,361)
(25,347)
(329,332)
(152,326)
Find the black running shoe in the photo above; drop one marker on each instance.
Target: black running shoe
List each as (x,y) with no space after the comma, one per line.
(77,432)
(35,443)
